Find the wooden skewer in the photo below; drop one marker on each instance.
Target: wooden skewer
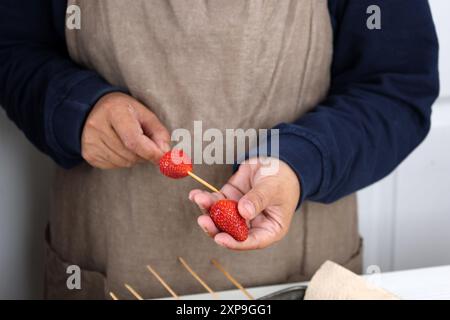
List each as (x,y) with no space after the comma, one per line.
(113,296)
(161,280)
(197,277)
(133,292)
(232,280)
(203,182)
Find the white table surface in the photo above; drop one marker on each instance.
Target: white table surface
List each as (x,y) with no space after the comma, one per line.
(428,283)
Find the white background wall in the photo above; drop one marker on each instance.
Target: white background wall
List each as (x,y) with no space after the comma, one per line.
(405,219)
(24,183)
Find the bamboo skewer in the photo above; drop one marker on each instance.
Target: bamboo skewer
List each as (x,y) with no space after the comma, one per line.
(197,277)
(113,296)
(203,182)
(133,292)
(232,280)
(161,280)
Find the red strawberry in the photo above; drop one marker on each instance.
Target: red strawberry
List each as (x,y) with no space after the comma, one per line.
(175,164)
(226,216)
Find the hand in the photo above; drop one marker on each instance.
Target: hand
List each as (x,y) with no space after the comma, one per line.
(267,198)
(120,131)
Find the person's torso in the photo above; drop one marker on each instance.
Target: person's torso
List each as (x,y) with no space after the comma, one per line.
(230,64)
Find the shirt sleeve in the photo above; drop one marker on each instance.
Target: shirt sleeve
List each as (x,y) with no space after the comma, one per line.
(379,105)
(46,94)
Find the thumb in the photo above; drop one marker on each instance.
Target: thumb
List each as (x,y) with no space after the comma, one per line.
(256,200)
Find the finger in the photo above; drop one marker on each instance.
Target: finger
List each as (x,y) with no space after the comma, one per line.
(257,199)
(232,192)
(153,128)
(205,200)
(94,154)
(192,194)
(257,239)
(228,191)
(113,142)
(242,178)
(102,164)
(132,135)
(110,156)
(102,157)
(206,223)
(238,184)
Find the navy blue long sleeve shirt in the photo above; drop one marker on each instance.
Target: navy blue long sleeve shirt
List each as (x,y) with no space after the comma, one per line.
(377,111)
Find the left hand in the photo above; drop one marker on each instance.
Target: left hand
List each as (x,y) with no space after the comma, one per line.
(267,193)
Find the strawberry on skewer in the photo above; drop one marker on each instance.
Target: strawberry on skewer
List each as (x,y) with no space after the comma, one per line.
(176,164)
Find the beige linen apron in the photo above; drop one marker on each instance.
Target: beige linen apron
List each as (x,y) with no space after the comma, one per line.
(230,64)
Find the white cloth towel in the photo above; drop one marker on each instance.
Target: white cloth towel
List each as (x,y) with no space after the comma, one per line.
(333,282)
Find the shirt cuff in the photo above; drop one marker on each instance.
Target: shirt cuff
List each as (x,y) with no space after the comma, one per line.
(68,106)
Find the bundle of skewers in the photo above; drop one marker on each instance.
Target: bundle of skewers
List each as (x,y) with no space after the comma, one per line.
(194,274)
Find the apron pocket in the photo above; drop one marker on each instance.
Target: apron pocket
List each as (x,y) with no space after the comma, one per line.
(57,273)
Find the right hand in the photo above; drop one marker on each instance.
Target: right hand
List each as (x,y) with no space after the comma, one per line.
(120,132)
